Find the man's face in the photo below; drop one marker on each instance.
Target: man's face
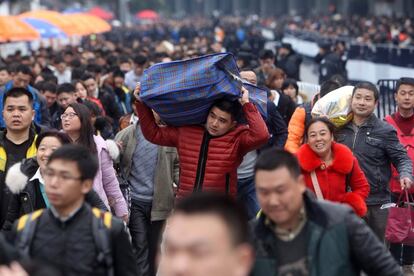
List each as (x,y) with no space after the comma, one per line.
(21,80)
(63,185)
(280,195)
(90,86)
(4,77)
(219,122)
(405,97)
(363,102)
(125,67)
(267,64)
(65,99)
(18,113)
(61,67)
(283,52)
(118,82)
(139,69)
(201,245)
(250,76)
(50,98)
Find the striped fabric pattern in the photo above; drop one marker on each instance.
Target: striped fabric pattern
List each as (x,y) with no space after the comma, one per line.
(182,92)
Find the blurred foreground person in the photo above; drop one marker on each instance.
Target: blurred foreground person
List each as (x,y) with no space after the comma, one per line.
(70,235)
(206,235)
(297,235)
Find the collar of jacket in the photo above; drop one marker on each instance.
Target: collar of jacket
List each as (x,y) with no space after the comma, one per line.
(342,158)
(314,213)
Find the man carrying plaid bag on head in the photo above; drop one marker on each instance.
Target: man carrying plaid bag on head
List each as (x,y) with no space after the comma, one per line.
(210,153)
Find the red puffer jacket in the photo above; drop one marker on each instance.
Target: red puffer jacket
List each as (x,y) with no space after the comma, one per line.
(408,142)
(207,163)
(332,179)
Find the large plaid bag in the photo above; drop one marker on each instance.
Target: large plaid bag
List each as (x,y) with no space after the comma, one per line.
(182,92)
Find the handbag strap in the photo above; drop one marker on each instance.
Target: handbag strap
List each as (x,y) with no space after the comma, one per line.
(316,186)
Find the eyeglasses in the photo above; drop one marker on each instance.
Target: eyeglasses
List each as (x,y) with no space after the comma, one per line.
(69,115)
(49,175)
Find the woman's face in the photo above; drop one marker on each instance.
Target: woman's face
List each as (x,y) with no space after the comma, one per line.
(277,83)
(70,121)
(291,92)
(81,91)
(320,138)
(48,145)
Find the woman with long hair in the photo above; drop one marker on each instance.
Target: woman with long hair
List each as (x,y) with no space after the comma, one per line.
(330,169)
(77,124)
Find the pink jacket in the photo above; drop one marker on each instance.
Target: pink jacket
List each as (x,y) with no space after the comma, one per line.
(105,183)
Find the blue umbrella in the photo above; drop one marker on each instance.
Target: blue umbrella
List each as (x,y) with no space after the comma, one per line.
(45,29)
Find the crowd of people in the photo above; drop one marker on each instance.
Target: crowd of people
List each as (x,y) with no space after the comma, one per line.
(94,182)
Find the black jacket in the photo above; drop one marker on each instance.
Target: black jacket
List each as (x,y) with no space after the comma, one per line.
(376,146)
(70,246)
(290,65)
(7,252)
(276,126)
(339,243)
(30,198)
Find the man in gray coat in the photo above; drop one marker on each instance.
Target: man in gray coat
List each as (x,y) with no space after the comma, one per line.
(375,144)
(151,171)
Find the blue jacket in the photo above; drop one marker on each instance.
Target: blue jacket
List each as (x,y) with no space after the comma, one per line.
(42,116)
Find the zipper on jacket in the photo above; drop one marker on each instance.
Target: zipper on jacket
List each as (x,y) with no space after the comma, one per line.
(202,160)
(227,183)
(355,136)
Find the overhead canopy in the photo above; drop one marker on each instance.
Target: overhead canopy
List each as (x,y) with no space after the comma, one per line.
(88,24)
(147,14)
(13,29)
(45,29)
(55,18)
(101,13)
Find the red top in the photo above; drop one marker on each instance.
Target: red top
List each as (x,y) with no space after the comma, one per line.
(223,154)
(404,124)
(332,178)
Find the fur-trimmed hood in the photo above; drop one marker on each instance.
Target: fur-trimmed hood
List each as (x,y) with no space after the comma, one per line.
(19,174)
(109,145)
(342,162)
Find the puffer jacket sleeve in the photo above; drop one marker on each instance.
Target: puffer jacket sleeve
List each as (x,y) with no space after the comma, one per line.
(111,185)
(296,130)
(368,253)
(163,136)
(257,135)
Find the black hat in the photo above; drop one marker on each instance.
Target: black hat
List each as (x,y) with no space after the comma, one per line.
(287,46)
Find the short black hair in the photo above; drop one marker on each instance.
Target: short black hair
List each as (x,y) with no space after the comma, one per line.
(61,136)
(140,59)
(272,159)
(66,88)
(232,107)
(24,69)
(367,85)
(290,82)
(231,213)
(328,86)
(401,81)
(17,92)
(87,76)
(86,162)
(48,86)
(4,68)
(329,124)
(265,54)
(118,74)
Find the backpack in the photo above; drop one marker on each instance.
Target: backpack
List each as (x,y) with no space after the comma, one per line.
(101,225)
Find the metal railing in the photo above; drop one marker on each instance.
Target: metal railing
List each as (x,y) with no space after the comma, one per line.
(386,103)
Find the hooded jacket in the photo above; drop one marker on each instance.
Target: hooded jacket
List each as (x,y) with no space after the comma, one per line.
(332,178)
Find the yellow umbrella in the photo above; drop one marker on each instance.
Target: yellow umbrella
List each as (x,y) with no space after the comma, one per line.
(13,29)
(55,18)
(88,24)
